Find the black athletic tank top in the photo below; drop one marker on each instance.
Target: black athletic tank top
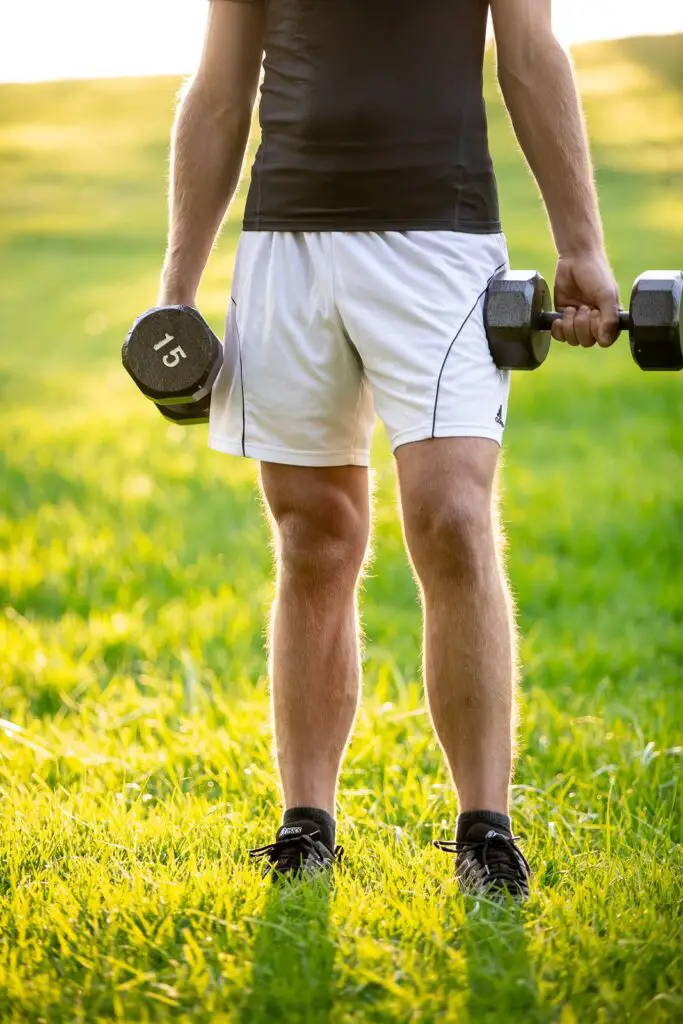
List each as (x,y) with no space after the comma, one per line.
(373,118)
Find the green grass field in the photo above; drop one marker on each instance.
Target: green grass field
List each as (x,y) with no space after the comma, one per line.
(135,753)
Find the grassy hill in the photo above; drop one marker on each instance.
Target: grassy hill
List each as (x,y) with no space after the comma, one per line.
(135,575)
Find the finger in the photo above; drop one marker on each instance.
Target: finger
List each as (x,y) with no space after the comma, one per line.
(595,324)
(582,327)
(609,321)
(568,315)
(557,331)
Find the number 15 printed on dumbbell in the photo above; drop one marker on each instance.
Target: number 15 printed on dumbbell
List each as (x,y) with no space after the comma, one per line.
(173,357)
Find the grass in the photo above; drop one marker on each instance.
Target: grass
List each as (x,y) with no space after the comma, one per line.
(135,752)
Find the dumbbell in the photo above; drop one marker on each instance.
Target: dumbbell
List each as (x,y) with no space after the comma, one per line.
(518,316)
(174,357)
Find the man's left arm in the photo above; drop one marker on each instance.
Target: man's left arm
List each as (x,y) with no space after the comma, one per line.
(539,90)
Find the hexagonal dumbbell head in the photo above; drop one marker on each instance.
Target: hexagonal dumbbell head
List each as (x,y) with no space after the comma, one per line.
(172,355)
(513,303)
(655,333)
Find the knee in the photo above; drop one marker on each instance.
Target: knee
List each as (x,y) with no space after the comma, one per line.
(451,535)
(321,537)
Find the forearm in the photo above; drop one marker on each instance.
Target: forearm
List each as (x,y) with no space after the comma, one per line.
(544,107)
(207,150)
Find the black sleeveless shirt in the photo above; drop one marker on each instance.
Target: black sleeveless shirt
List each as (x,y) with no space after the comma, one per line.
(373,118)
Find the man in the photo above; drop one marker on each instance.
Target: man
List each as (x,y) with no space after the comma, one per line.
(370,235)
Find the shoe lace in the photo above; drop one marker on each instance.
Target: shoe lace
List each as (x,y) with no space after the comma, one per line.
(290,853)
(499,856)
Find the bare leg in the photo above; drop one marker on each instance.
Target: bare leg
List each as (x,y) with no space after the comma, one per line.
(320,524)
(450,524)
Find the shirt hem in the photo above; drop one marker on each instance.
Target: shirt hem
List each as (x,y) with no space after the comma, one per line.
(296,224)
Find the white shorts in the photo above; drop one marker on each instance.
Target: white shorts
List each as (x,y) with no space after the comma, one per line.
(326,328)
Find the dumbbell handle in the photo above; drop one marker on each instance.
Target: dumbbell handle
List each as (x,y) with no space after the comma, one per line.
(546,320)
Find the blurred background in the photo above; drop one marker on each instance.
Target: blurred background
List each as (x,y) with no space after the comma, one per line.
(79,39)
(135,576)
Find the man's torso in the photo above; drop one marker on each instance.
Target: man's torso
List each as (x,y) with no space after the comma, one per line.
(373,118)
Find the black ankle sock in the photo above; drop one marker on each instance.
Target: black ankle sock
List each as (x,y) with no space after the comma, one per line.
(312,818)
(493,818)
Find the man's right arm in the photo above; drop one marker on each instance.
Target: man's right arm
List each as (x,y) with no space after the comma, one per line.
(538,86)
(208,142)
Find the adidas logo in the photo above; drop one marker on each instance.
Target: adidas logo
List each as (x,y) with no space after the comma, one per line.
(499,417)
(291,830)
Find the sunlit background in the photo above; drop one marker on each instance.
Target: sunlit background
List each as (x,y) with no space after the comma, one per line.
(135,579)
(44,40)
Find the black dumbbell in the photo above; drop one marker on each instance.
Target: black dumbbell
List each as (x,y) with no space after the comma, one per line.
(174,357)
(518,317)
(187,414)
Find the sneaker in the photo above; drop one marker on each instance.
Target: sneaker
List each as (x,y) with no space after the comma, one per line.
(296,851)
(489,863)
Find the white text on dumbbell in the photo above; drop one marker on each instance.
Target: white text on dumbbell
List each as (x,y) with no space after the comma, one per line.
(173,357)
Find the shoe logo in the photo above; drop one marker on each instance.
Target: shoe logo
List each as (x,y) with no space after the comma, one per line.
(292,830)
(499,417)
(491,834)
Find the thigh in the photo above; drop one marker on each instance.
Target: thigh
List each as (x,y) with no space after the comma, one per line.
(292,389)
(413,304)
(448,494)
(318,502)
(443,470)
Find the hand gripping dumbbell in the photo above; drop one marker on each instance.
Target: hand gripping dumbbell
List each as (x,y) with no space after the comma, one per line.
(174,358)
(518,316)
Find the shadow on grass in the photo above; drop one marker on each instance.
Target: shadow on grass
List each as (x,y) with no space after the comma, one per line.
(293,971)
(499,977)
